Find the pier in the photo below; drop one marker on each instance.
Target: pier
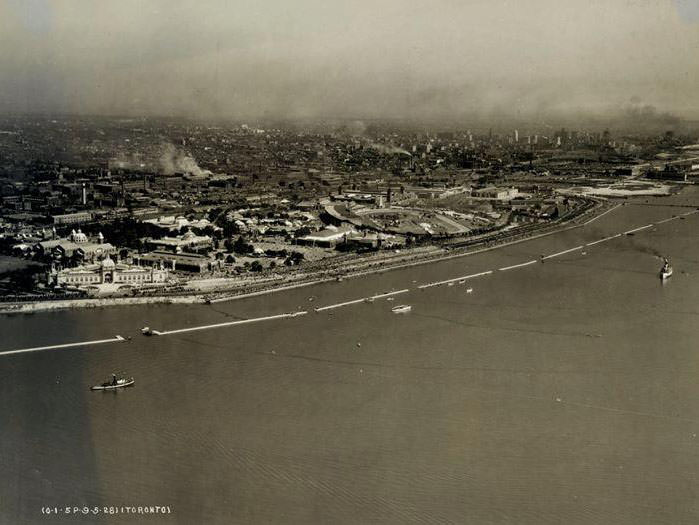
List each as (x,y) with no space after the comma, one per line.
(562,253)
(639,229)
(520,265)
(229,323)
(602,214)
(455,279)
(603,240)
(115,339)
(362,300)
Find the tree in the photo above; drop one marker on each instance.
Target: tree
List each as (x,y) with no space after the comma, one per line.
(303,231)
(214,213)
(256,266)
(241,246)
(230,228)
(296,257)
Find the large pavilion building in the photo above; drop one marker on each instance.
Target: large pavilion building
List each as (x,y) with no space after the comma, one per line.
(107,274)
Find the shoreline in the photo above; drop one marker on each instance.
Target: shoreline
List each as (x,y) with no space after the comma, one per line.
(364,268)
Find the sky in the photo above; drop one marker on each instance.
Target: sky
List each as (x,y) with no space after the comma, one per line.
(350,58)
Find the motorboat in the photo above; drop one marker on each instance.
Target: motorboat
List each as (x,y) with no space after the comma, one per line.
(469,290)
(401,309)
(115,384)
(146,330)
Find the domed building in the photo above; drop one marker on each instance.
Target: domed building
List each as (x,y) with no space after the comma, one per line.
(78,237)
(76,248)
(108,274)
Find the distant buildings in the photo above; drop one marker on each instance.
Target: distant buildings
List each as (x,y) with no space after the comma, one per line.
(493,192)
(328,238)
(172,223)
(189,242)
(181,262)
(71,218)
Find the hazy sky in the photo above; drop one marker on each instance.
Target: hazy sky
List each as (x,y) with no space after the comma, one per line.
(359,58)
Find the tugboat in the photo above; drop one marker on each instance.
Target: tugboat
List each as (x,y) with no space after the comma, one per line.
(666,270)
(146,330)
(115,383)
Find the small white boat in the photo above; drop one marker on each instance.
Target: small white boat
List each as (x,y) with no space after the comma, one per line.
(391,299)
(469,290)
(401,309)
(111,385)
(451,283)
(369,300)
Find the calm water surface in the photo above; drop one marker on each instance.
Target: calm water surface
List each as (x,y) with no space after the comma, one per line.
(563,392)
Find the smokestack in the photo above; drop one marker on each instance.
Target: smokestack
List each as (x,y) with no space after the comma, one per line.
(84,195)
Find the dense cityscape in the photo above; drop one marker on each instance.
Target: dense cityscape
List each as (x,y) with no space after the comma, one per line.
(123,207)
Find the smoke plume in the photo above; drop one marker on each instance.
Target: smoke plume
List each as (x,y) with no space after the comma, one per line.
(389,150)
(173,160)
(643,248)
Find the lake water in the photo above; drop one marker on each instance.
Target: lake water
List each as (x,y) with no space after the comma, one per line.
(560,392)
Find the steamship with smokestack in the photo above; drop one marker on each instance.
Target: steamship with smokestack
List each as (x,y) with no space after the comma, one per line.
(666,270)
